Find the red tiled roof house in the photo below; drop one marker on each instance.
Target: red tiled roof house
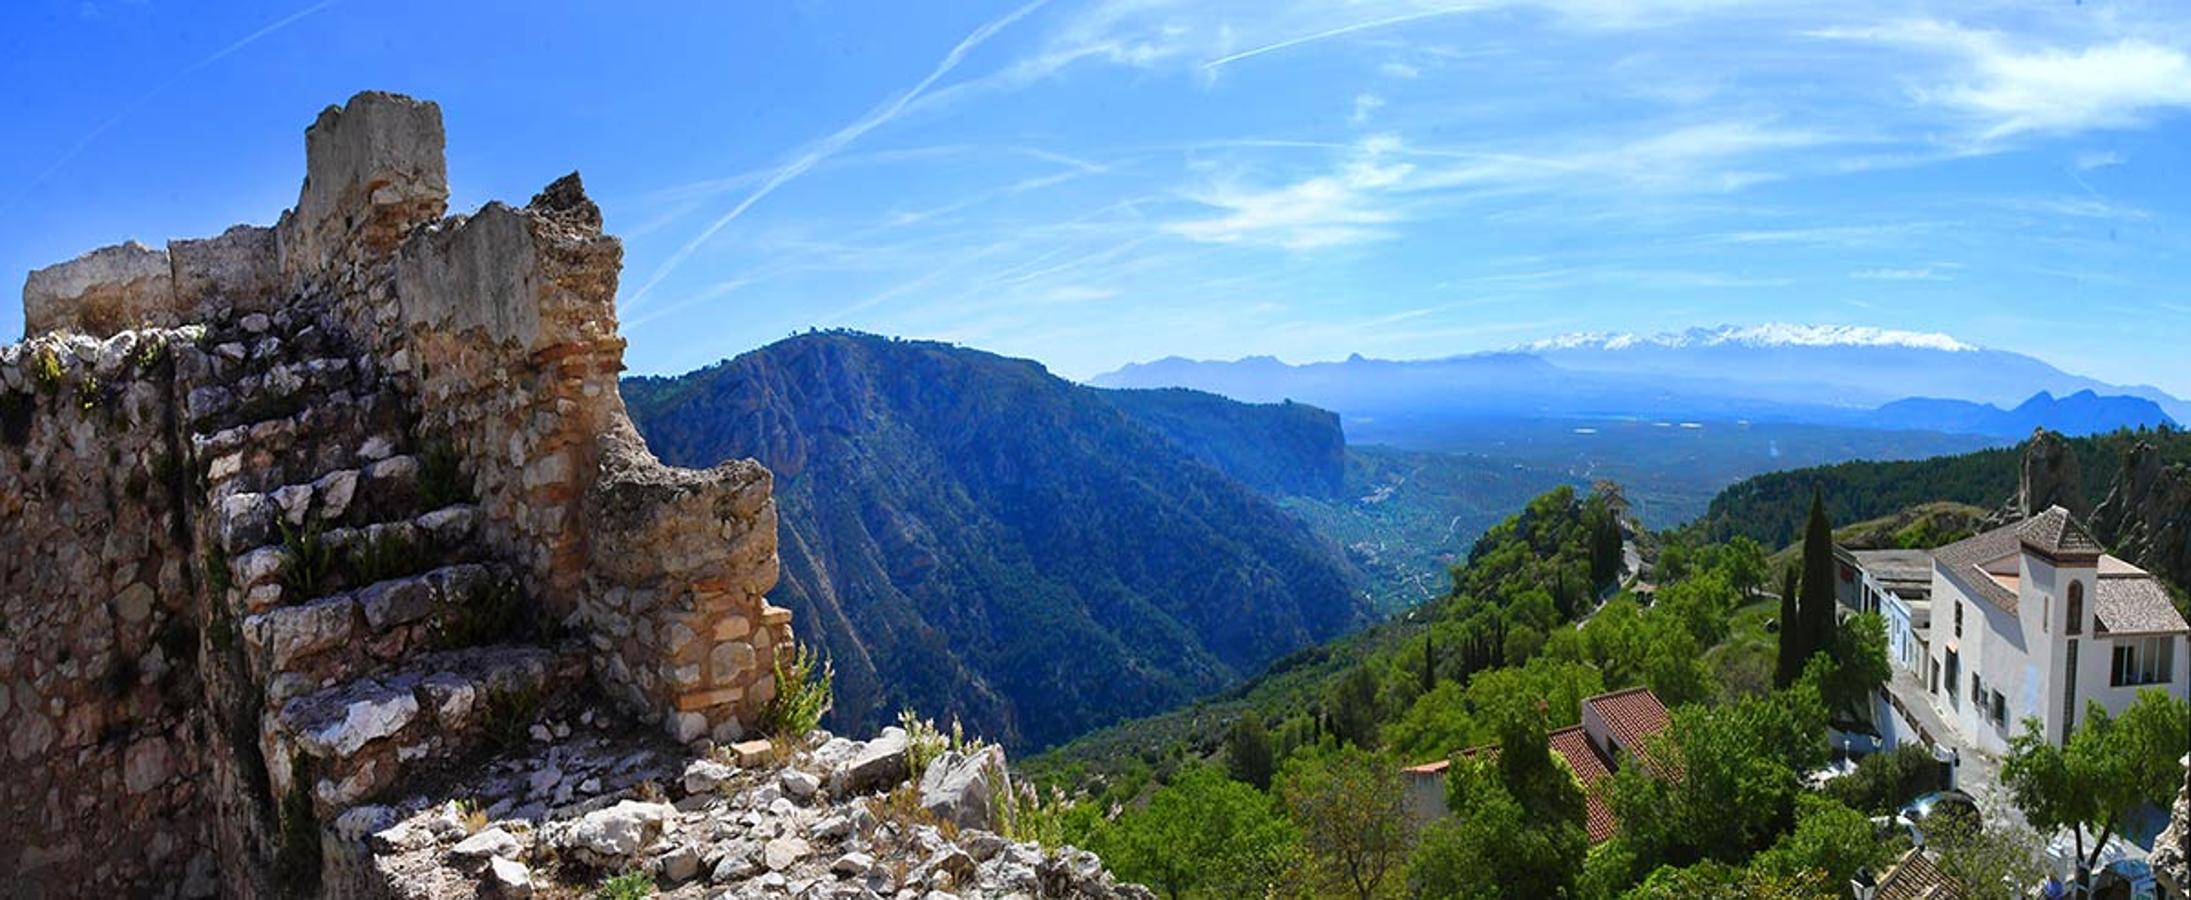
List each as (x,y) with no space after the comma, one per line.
(1612,734)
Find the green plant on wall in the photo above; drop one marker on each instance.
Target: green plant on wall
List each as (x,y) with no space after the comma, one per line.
(306,559)
(87,393)
(802,694)
(45,369)
(385,553)
(492,612)
(628,886)
(441,480)
(509,715)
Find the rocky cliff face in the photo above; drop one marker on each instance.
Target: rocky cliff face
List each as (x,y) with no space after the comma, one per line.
(971,536)
(301,517)
(2050,477)
(2146,517)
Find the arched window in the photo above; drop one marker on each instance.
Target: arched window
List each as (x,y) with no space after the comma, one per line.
(2076,607)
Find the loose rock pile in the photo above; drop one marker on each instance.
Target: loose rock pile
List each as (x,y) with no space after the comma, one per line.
(839,819)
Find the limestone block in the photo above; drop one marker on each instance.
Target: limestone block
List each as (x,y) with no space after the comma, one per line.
(374,169)
(241,268)
(481,274)
(285,634)
(102,292)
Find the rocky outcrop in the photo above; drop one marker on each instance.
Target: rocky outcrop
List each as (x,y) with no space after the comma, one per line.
(2050,477)
(555,821)
(2171,858)
(362,503)
(2146,516)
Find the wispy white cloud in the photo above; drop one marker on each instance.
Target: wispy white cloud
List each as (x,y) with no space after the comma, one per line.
(1918,273)
(1714,156)
(1365,104)
(1345,206)
(832,144)
(2098,159)
(2011,87)
(1397,69)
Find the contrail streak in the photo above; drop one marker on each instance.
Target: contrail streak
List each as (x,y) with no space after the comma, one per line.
(156,90)
(829,146)
(1332,33)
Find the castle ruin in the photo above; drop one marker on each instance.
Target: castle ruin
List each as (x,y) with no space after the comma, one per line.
(294,514)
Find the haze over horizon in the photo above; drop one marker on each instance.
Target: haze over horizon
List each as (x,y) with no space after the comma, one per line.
(1091,184)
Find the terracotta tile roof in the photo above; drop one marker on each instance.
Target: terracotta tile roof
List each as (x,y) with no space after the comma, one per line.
(1916,878)
(1631,716)
(2056,533)
(1964,561)
(2133,604)
(1589,766)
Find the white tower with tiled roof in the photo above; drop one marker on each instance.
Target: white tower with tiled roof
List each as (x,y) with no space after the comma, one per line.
(2035,620)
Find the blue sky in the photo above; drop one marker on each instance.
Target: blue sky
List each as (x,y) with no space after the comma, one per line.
(1094,183)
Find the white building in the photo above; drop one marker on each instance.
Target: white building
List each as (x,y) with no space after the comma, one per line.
(2036,619)
(1896,584)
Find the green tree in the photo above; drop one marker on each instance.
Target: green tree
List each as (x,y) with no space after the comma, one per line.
(1350,807)
(1829,838)
(1742,561)
(1673,664)
(1435,726)
(1858,649)
(1734,781)
(1987,860)
(1203,833)
(1883,782)
(1789,665)
(1517,824)
(1815,602)
(1353,707)
(1430,662)
(1248,757)
(1714,880)
(2107,769)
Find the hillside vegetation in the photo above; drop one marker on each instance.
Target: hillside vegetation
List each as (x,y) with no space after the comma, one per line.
(1768,508)
(1291,783)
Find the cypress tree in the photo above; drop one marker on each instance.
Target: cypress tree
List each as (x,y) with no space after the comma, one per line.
(1816,603)
(1790,662)
(1430,663)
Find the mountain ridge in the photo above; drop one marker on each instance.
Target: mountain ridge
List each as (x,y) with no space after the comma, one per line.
(975,538)
(1790,372)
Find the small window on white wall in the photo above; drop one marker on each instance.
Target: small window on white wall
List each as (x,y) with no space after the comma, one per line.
(2076,609)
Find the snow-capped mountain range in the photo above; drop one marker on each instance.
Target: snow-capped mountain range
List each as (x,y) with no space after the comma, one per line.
(1808,374)
(1775,334)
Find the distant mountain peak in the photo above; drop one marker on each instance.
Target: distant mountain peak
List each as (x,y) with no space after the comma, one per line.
(1775,334)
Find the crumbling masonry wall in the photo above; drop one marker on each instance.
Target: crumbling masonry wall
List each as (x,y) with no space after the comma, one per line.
(98,637)
(509,321)
(182,423)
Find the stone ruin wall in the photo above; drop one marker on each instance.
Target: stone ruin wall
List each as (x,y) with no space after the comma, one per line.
(125,691)
(98,628)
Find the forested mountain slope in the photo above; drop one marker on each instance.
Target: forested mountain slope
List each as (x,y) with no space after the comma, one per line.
(1768,508)
(970,536)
